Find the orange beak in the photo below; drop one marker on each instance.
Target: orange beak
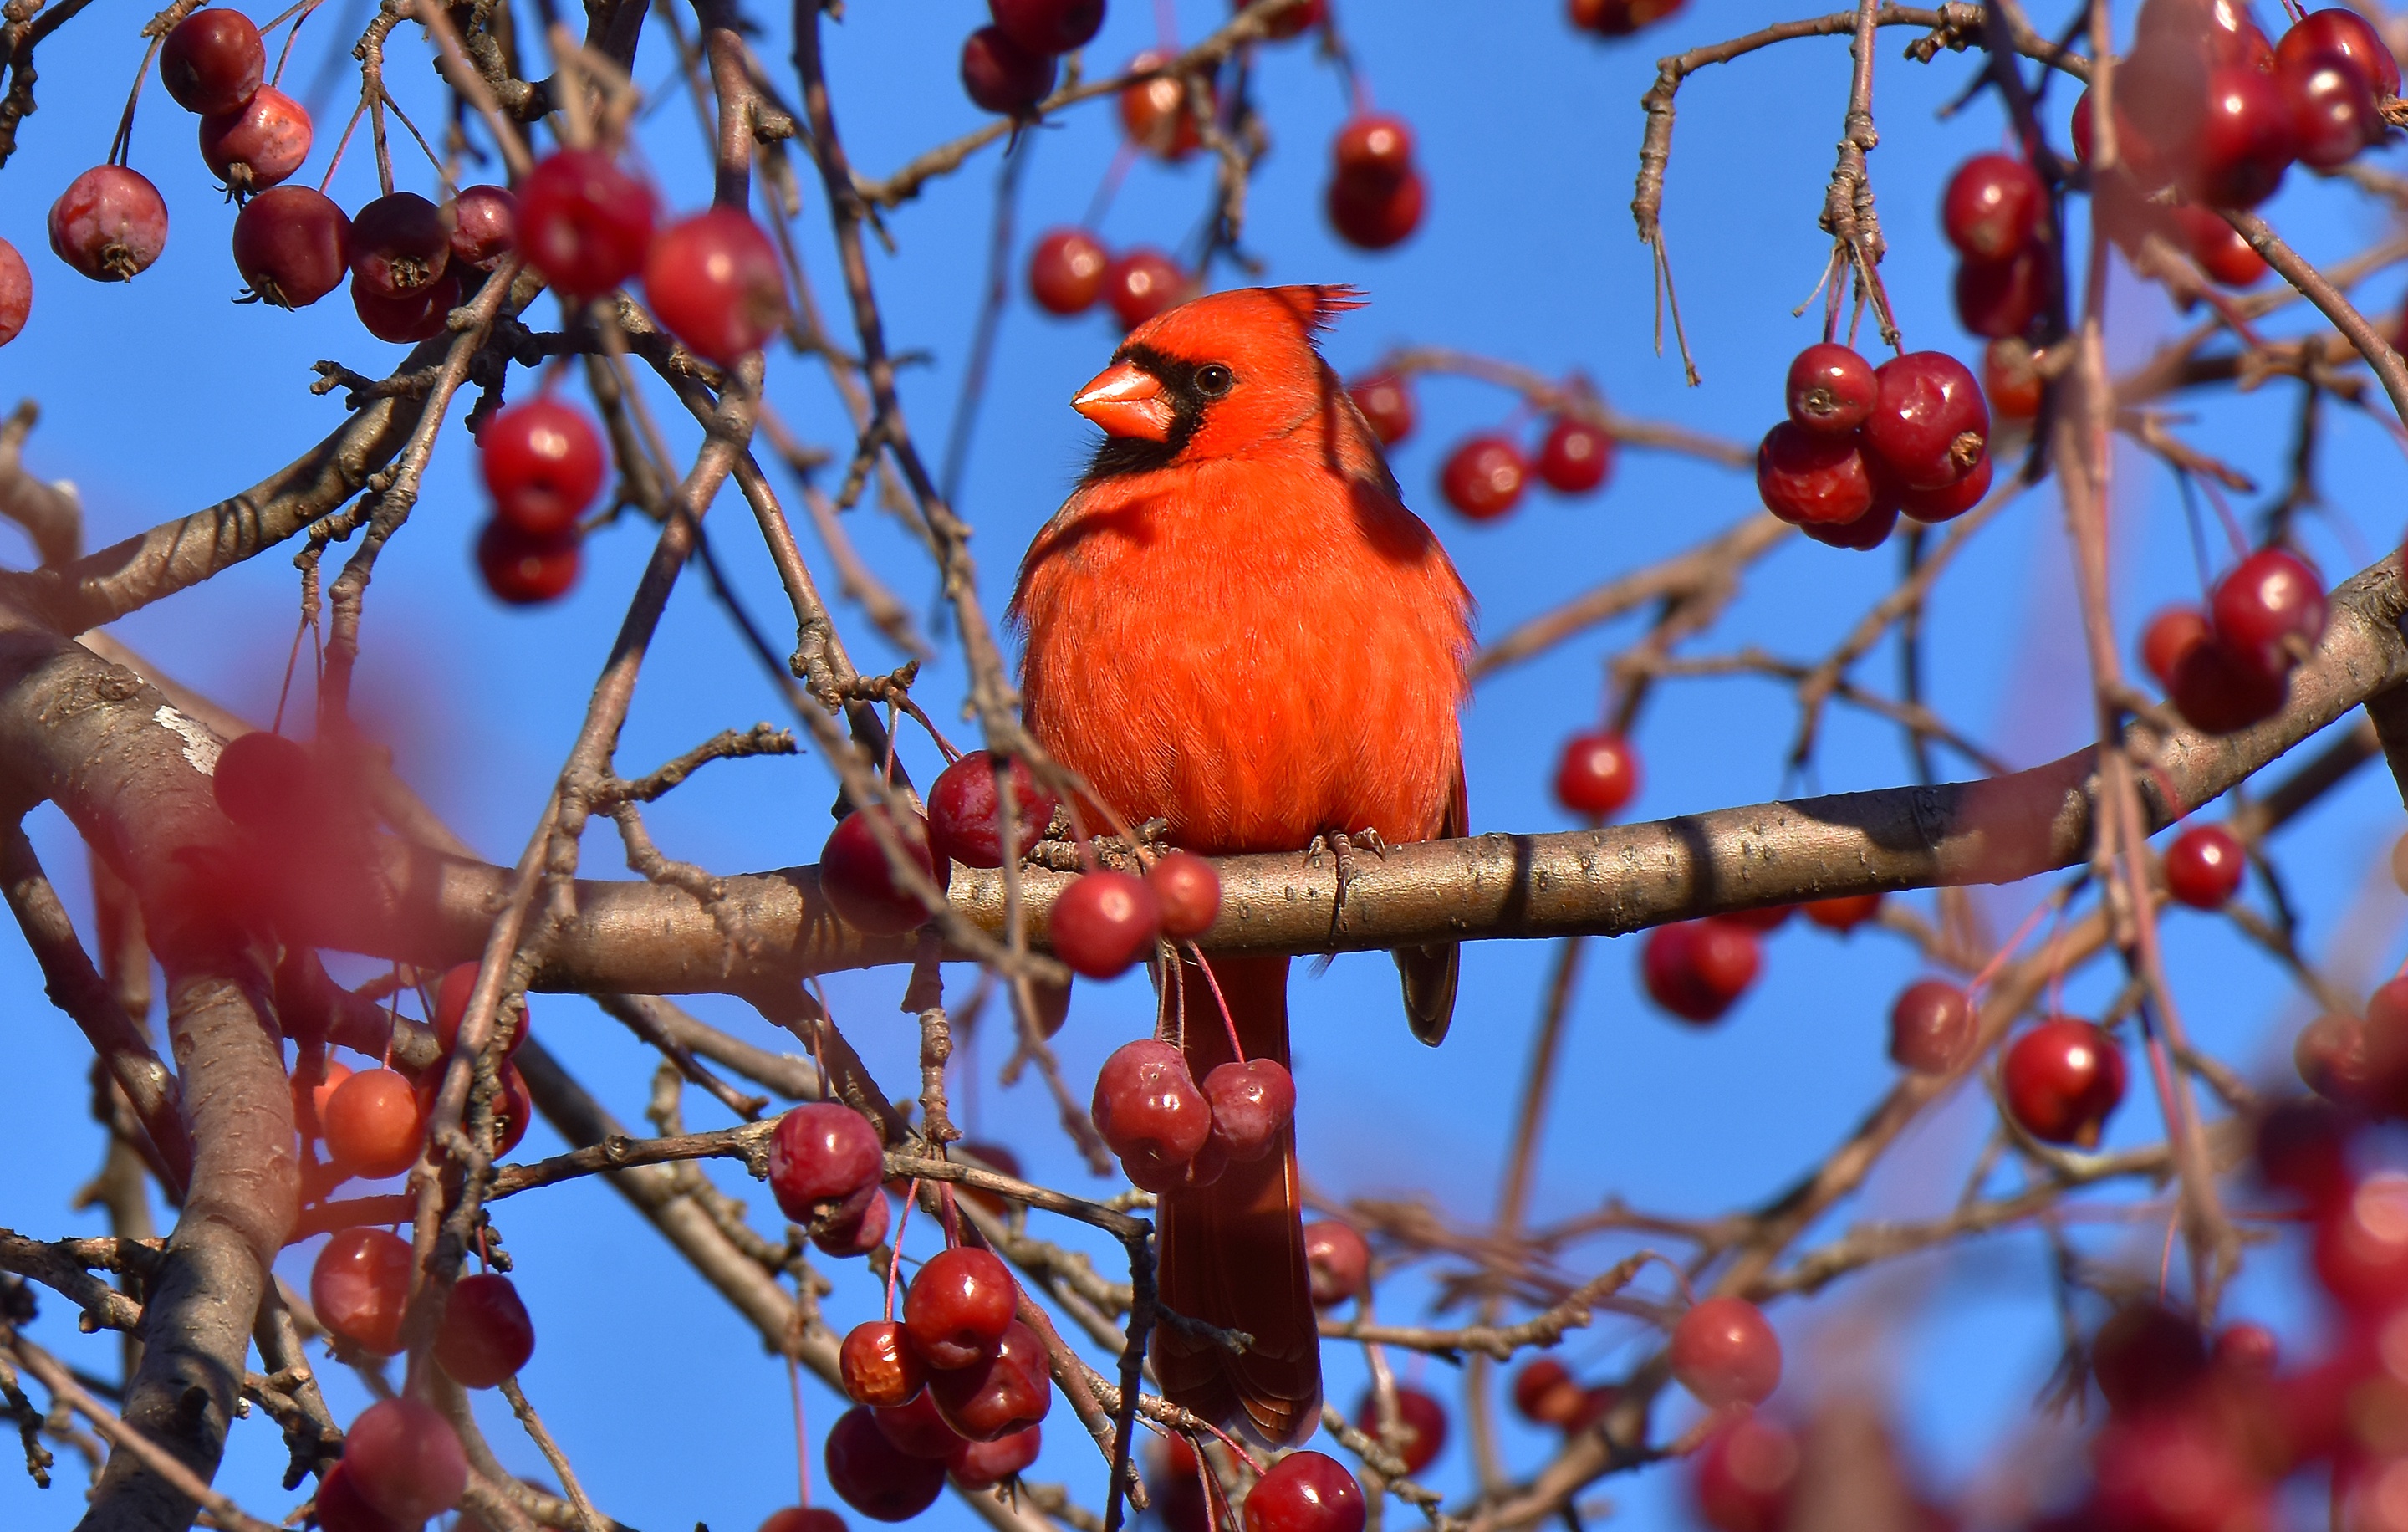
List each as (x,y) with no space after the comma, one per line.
(1126,401)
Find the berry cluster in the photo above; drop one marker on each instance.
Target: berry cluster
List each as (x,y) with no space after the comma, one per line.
(1484,478)
(1697,969)
(1863,445)
(1069,270)
(827,1169)
(2229,665)
(360,1284)
(543,464)
(1007,66)
(1376,195)
(1170,1134)
(1996,212)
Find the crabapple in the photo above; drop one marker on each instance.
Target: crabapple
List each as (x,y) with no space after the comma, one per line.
(1422,1426)
(823,1156)
(1723,1352)
(1337,1262)
(1065,271)
(1547,1393)
(966,811)
(1187,891)
(2227,259)
(2244,142)
(212,61)
(1006,1390)
(1811,476)
(358,1285)
(2204,867)
(420,314)
(2219,689)
(2331,103)
(1743,1478)
(291,244)
(404,1459)
(399,244)
(916,1427)
(1930,425)
(862,886)
(878,1366)
(2145,1355)
(1575,457)
(372,1124)
(1375,215)
(791,1519)
(1251,1102)
(1484,478)
(1049,26)
(1374,147)
(525,571)
(485,1336)
(2269,603)
(1870,530)
(714,282)
(1002,77)
(2170,634)
(873,1476)
(2360,1246)
(340,1508)
(2246,1347)
(1997,299)
(983,1465)
(1843,913)
(264,782)
(257,144)
(1154,113)
(958,1308)
(1992,208)
(484,226)
(1697,969)
(1830,389)
(1386,401)
(1140,284)
(2011,378)
(1598,774)
(1151,1112)
(16,292)
(584,223)
(2061,1079)
(543,462)
(109,224)
(309,1104)
(1102,923)
(1930,1026)
(855,1228)
(1305,1492)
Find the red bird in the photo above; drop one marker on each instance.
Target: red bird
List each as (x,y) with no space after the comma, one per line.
(1235,625)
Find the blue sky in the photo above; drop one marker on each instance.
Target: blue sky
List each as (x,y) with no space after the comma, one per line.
(162,397)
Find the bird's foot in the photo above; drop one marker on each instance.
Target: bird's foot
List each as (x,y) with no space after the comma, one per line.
(1339,846)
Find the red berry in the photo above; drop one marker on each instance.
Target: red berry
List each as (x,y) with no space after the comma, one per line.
(1620,18)
(878,1367)
(512,1108)
(1293,22)
(1007,1389)
(484,226)
(543,462)
(486,1336)
(823,1157)
(1152,1113)
(983,1465)
(2266,602)
(2061,1079)
(2332,1055)
(1807,477)
(2303,1147)
(1770,917)
(584,223)
(791,1519)
(1420,1422)
(2219,689)
(358,1285)
(213,61)
(16,292)
(2345,32)
(1252,1105)
(404,1459)
(2170,634)
(1337,1262)
(340,1508)
(966,812)
(915,1427)
(1870,530)
(291,244)
(873,1476)
(855,1228)
(1930,426)
(254,146)
(2139,154)
(1598,774)
(1933,507)
(1154,112)
(2226,259)
(399,244)
(2246,1347)
(1002,77)
(1049,26)
(1930,1026)
(2331,104)
(1305,1492)
(1993,207)
(264,782)
(1188,892)
(2011,378)
(415,315)
(1376,150)
(2242,144)
(1845,914)
(713,280)
(1375,215)
(1723,1352)
(310,1105)
(958,1308)
(1102,923)
(1482,477)
(109,224)
(1740,1481)
(1575,457)
(2361,1245)
(372,1124)
(1547,1393)
(526,571)
(1386,401)
(2204,867)
(2145,1355)
(1697,969)
(860,883)
(1996,299)
(1066,272)
(1142,284)
(1831,389)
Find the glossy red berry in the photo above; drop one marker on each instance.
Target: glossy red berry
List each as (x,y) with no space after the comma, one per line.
(2219,689)
(1996,299)
(713,280)
(966,811)
(484,226)
(212,61)
(1547,1393)
(264,783)
(958,1307)
(2333,1060)
(258,143)
(1484,478)
(1252,1105)
(1008,1389)
(372,1124)
(109,224)
(1930,425)
(1723,1352)
(1868,531)
(1049,26)
(1373,148)
(338,1507)
(1140,284)
(1697,969)
(1575,457)
(873,1476)
(878,1366)
(486,1336)
(417,315)
(2061,1079)
(543,462)
(1421,1423)
(1000,76)
(291,244)
(512,1107)
(526,571)
(1377,214)
(1597,775)
(1337,1262)
(1933,507)
(855,1228)
(1843,913)
(2331,103)
(1813,477)
(1743,1478)
(404,1459)
(1065,271)
(358,1286)
(1831,389)
(2246,1349)
(2360,1246)
(918,1429)
(983,1465)
(1152,1113)
(399,244)
(1154,113)
(2244,142)
(823,1157)
(1305,1492)
(309,1104)
(2145,1355)
(791,1519)
(2226,258)
(584,223)
(2204,867)
(1993,207)
(2011,378)
(1386,401)
(1619,18)
(1293,22)
(2170,636)
(1102,923)
(861,886)
(16,292)
(2345,32)
(1930,1026)
(2271,605)
(1187,891)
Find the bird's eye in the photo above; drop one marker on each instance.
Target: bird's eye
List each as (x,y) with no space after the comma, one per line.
(1213,379)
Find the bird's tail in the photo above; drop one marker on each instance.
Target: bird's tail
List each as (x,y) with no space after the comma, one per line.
(1232,1252)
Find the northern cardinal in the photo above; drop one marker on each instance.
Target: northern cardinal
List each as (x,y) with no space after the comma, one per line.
(1235,625)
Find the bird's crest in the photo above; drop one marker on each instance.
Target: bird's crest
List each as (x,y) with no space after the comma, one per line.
(1317,306)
